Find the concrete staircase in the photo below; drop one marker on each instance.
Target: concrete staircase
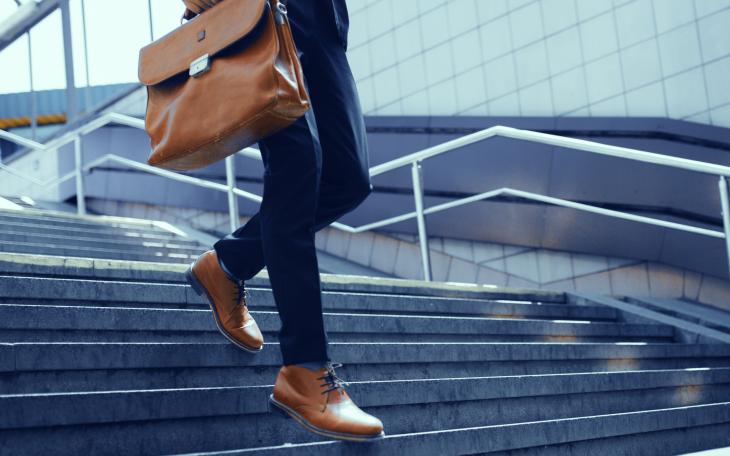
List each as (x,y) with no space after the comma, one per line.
(104,355)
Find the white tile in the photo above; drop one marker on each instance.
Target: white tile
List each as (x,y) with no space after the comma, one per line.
(702,117)
(507,105)
(416,104)
(412,75)
(489,276)
(686,94)
(487,11)
(558,14)
(403,12)
(526,25)
(337,242)
(692,285)
(588,9)
(594,283)
(598,36)
(440,265)
(495,37)
(464,49)
(407,40)
(613,107)
(360,248)
(679,49)
(462,271)
(524,265)
(715,292)
(705,7)
(536,100)
(714,35)
(442,98)
(366,93)
(569,91)
(640,64)
(604,78)
(359,59)
(564,50)
(462,15)
(531,63)
(384,253)
(500,76)
(519,282)
(484,251)
(587,264)
(384,54)
(386,86)
(379,18)
(717,75)
(630,280)
(721,116)
(635,22)
(470,89)
(672,13)
(459,248)
(438,64)
(647,101)
(475,110)
(554,265)
(408,261)
(432,27)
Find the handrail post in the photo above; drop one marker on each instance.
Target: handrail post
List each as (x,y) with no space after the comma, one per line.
(417,176)
(725,203)
(80,195)
(232,198)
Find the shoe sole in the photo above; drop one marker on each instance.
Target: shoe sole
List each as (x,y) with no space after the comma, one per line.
(202,291)
(288,412)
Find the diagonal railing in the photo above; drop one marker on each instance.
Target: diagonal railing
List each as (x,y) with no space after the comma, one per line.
(413,160)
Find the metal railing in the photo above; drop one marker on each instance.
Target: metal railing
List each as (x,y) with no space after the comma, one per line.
(413,160)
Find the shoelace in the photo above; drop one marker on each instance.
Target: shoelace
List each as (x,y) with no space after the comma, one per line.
(240,294)
(331,379)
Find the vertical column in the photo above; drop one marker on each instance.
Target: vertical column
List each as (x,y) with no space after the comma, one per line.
(725,203)
(232,197)
(417,176)
(80,195)
(71,109)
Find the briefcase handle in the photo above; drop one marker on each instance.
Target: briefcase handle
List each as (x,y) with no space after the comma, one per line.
(189,14)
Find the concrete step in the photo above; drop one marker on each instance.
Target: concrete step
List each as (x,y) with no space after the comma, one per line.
(82,292)
(226,432)
(108,233)
(18,264)
(24,322)
(417,358)
(71,221)
(691,311)
(156,255)
(539,396)
(134,245)
(36,232)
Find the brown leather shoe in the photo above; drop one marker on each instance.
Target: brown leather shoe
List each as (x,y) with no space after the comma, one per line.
(227,299)
(319,402)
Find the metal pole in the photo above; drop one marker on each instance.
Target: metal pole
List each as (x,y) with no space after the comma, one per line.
(33,100)
(149,15)
(232,198)
(87,90)
(725,203)
(417,176)
(71,109)
(80,196)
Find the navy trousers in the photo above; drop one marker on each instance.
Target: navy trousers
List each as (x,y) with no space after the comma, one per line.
(316,170)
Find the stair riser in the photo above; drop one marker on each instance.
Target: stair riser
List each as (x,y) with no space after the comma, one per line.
(37,357)
(130,236)
(75,252)
(10,219)
(676,441)
(194,377)
(268,429)
(134,245)
(115,319)
(12,336)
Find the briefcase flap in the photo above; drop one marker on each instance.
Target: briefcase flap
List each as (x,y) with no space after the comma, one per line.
(208,33)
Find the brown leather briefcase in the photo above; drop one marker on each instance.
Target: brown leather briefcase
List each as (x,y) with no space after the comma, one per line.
(220,82)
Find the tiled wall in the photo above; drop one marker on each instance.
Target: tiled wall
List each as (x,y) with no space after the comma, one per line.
(668,58)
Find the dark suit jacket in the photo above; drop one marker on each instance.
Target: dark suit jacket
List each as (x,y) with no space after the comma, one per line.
(342,20)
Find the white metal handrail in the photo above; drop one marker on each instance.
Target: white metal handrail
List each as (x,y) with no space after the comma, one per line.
(414,160)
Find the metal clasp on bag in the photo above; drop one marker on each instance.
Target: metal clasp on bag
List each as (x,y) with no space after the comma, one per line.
(280,12)
(199,66)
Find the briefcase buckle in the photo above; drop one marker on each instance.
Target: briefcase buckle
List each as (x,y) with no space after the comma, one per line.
(199,66)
